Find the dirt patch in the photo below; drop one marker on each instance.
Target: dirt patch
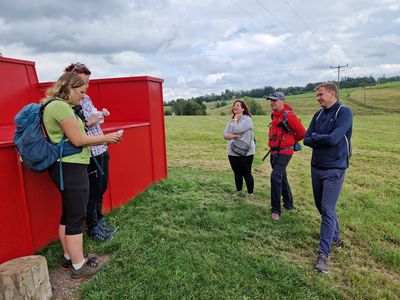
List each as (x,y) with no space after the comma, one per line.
(66,288)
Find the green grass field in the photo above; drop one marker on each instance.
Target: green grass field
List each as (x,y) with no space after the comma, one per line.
(187,238)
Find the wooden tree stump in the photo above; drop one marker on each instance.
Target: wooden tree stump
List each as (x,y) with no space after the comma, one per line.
(25,278)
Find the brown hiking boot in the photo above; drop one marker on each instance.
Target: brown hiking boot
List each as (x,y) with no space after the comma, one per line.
(322,263)
(89,268)
(66,263)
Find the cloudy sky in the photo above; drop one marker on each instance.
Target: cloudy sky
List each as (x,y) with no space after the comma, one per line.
(207,46)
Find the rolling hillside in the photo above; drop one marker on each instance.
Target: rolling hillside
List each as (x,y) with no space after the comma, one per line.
(378,99)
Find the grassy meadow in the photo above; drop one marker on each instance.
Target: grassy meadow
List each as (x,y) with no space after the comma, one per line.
(187,238)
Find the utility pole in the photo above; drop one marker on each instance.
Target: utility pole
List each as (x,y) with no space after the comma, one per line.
(338,76)
(365,95)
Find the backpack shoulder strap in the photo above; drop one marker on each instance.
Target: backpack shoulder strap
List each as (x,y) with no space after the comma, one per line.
(43,106)
(320,112)
(336,114)
(42,124)
(348,140)
(285,113)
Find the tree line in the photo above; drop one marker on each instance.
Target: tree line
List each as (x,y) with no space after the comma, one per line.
(196,106)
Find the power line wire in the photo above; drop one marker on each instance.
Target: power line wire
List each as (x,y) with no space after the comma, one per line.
(252,17)
(270,12)
(282,24)
(276,18)
(301,19)
(305,24)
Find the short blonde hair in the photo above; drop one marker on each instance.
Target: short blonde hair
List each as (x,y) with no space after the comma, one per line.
(329,86)
(63,86)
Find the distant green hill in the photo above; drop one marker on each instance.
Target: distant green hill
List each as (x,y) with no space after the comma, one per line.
(378,99)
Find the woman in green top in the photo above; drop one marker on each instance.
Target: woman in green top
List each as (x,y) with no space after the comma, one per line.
(59,119)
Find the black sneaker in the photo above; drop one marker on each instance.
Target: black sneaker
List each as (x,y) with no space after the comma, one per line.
(66,263)
(105,228)
(322,263)
(99,236)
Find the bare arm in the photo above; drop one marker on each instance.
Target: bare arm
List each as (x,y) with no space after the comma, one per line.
(230,136)
(74,134)
(94,119)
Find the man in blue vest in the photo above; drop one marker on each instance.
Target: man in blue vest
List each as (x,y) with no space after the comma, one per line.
(329,136)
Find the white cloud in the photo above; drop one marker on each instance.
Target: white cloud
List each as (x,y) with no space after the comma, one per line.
(213,78)
(387,39)
(205,46)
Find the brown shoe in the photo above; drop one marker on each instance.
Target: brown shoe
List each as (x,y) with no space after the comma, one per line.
(66,263)
(322,264)
(275,217)
(89,268)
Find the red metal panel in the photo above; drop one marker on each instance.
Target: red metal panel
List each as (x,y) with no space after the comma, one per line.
(17,78)
(130,165)
(15,235)
(155,101)
(44,207)
(126,100)
(6,135)
(107,207)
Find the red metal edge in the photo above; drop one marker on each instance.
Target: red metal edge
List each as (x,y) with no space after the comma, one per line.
(25,206)
(116,79)
(17,61)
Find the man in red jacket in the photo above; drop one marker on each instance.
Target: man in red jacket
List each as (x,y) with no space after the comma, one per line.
(284,131)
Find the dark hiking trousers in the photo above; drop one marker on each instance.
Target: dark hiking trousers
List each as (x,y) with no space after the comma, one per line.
(279,183)
(241,167)
(97,187)
(327,185)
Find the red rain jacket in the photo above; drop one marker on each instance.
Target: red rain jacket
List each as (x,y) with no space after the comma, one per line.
(288,139)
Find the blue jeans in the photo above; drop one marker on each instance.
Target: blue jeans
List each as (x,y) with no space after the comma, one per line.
(327,185)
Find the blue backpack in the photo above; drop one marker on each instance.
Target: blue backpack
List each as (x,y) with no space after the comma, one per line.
(37,152)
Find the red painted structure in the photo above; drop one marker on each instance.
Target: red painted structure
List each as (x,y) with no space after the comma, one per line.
(30,205)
